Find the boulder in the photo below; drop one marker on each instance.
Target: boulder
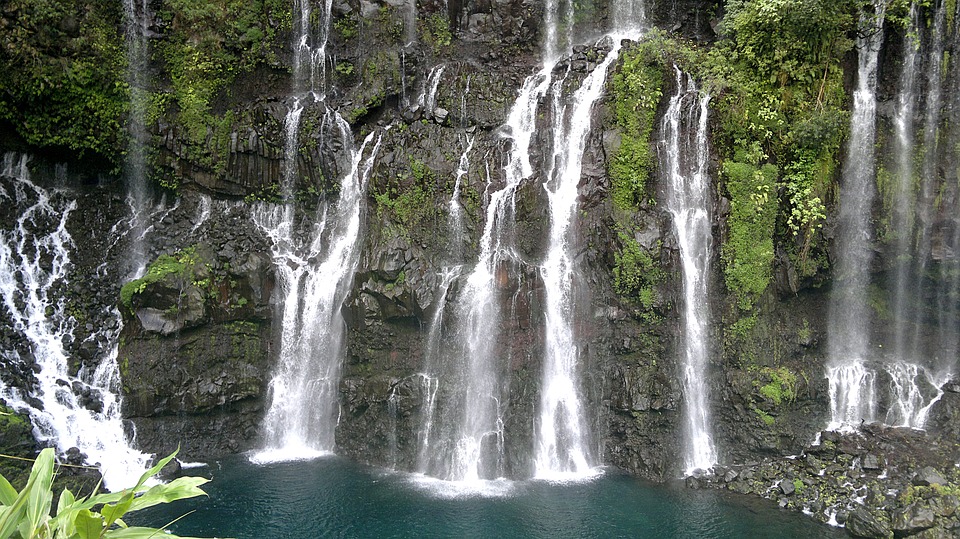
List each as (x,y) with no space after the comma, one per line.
(861,523)
(912,519)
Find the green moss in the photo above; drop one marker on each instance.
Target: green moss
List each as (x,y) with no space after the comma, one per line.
(409,200)
(180,263)
(212,43)
(778,385)
(637,89)
(347,27)
(65,89)
(767,419)
(434,30)
(748,253)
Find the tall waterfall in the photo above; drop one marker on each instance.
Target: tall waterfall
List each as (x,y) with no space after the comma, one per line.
(563,439)
(136,21)
(562,445)
(313,276)
(899,384)
(563,442)
(67,411)
(848,336)
(684,156)
(315,259)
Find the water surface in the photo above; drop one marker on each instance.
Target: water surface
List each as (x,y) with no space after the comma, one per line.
(333,497)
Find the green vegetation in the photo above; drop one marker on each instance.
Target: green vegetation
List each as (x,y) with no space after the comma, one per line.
(210,45)
(748,252)
(180,263)
(435,31)
(636,274)
(27,514)
(409,200)
(637,89)
(62,75)
(778,84)
(781,386)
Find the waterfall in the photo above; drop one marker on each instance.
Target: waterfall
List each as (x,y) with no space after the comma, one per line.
(455,215)
(67,411)
(903,207)
(314,277)
(480,423)
(136,20)
(562,437)
(314,266)
(428,99)
(684,155)
(430,444)
(848,335)
(915,366)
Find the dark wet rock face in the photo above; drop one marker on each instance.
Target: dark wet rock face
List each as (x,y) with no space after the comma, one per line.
(200,331)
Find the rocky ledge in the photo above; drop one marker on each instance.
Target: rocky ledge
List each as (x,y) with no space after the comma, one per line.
(877,482)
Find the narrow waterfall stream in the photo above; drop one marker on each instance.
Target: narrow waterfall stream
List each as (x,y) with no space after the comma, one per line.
(136,21)
(684,156)
(79,411)
(563,441)
(302,417)
(315,258)
(848,338)
(897,384)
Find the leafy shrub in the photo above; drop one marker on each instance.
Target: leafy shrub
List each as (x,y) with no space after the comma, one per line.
(26,514)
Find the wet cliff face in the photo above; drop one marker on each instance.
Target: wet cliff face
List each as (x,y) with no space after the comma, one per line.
(201,331)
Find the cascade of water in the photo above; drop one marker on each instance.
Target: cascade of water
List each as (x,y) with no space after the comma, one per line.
(310,48)
(34,265)
(136,17)
(481,419)
(849,313)
(912,393)
(562,445)
(914,216)
(430,379)
(312,267)
(683,158)
(903,210)
(852,395)
(941,201)
(428,99)
(455,214)
(302,415)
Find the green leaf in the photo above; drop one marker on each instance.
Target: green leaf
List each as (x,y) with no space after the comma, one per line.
(8,494)
(66,500)
(113,512)
(89,525)
(178,489)
(17,512)
(156,469)
(141,533)
(40,496)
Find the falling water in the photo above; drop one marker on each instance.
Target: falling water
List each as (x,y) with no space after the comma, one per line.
(136,17)
(313,276)
(849,313)
(912,393)
(562,444)
(310,48)
(34,266)
(430,444)
(913,225)
(455,209)
(683,158)
(902,207)
(428,99)
(853,390)
(313,268)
